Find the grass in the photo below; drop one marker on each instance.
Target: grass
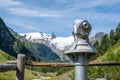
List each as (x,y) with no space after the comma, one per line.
(69,75)
(113,72)
(112,54)
(11,75)
(4,57)
(29,74)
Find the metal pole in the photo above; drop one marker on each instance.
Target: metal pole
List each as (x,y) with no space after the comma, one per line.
(81,48)
(81,68)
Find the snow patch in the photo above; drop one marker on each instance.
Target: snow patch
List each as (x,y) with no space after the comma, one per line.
(58,42)
(62,42)
(36,35)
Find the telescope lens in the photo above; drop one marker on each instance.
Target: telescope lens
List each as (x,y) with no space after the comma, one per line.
(85,25)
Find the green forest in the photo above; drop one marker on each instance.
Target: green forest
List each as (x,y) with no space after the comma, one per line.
(108,50)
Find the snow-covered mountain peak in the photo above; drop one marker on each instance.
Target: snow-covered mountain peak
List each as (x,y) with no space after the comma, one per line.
(62,42)
(49,39)
(37,35)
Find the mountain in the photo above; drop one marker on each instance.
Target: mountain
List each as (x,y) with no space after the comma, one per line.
(48,39)
(42,51)
(6,39)
(12,43)
(62,42)
(57,42)
(98,37)
(38,37)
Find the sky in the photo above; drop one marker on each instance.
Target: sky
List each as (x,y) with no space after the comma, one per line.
(57,16)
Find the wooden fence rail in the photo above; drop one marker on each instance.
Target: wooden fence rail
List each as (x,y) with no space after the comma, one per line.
(19,65)
(58,64)
(11,62)
(72,64)
(7,67)
(15,65)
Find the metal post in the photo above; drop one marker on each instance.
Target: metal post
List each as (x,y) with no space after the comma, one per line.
(81,68)
(81,49)
(20,67)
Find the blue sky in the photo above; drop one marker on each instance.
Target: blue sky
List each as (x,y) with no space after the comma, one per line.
(57,16)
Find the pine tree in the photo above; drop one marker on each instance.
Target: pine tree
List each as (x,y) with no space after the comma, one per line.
(104,44)
(112,37)
(97,46)
(117,35)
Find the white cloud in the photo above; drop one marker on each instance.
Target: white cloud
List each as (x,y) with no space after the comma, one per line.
(10,3)
(33,13)
(83,5)
(66,14)
(93,3)
(21,9)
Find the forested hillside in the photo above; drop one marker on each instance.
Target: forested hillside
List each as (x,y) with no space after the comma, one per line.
(108,41)
(4,57)
(109,50)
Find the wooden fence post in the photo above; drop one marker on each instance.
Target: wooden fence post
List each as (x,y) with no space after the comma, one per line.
(20,67)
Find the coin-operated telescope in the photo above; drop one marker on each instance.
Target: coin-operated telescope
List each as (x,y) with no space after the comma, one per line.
(81,49)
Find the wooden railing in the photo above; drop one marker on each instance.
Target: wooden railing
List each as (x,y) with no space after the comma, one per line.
(19,65)
(72,64)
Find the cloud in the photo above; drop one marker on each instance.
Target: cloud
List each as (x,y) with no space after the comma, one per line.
(21,9)
(91,4)
(65,14)
(10,3)
(85,10)
(83,5)
(33,13)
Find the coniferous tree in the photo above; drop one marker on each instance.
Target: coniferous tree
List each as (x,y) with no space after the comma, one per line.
(112,37)
(18,45)
(109,46)
(104,44)
(97,46)
(117,35)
